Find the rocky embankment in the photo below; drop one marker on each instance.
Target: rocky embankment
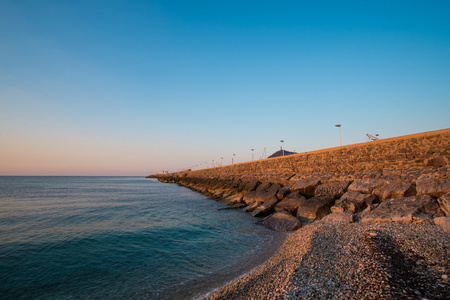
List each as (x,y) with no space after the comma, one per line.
(369,221)
(412,196)
(373,235)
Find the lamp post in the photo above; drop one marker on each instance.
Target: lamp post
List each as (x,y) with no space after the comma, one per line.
(221,161)
(252,153)
(340,141)
(282,148)
(232,159)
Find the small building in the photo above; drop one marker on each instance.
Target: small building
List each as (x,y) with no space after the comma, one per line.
(280,153)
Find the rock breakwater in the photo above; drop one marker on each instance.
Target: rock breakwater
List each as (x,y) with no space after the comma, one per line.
(401,179)
(370,220)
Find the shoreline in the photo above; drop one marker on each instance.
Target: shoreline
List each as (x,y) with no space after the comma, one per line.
(255,261)
(389,199)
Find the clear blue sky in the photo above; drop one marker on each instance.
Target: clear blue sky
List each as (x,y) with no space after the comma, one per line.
(137,87)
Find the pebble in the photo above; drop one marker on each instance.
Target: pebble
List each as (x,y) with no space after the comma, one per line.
(345,261)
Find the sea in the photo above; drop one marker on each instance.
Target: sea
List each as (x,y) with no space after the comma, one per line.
(121,238)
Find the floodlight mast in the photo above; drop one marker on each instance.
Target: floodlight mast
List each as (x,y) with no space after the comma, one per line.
(372,138)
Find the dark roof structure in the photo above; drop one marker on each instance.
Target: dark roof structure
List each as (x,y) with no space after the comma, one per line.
(280,153)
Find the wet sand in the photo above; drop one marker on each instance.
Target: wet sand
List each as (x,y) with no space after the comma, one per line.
(352,261)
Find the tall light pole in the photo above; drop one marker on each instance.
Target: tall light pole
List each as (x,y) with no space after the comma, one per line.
(282,148)
(221,161)
(232,159)
(340,140)
(252,152)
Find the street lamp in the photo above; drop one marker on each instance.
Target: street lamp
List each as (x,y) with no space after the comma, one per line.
(232,159)
(339,126)
(221,161)
(252,153)
(282,148)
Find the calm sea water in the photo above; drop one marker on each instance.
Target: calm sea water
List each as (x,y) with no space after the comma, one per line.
(119,237)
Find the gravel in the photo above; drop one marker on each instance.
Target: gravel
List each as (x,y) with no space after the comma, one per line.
(352,261)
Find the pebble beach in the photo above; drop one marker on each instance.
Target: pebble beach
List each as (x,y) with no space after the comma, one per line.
(391,260)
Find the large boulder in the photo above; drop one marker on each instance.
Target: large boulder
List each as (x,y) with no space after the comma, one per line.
(333,188)
(415,209)
(366,185)
(283,192)
(354,202)
(252,206)
(282,221)
(444,222)
(233,198)
(265,207)
(250,197)
(274,188)
(248,186)
(290,203)
(444,202)
(251,186)
(395,189)
(262,195)
(264,186)
(315,208)
(338,217)
(433,186)
(306,186)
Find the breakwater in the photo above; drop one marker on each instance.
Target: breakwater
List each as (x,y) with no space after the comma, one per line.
(404,179)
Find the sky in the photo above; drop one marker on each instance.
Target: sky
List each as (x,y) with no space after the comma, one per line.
(139,87)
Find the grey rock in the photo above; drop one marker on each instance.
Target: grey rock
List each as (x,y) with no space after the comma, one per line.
(264,186)
(290,203)
(444,223)
(283,192)
(306,186)
(265,207)
(246,186)
(282,221)
(235,199)
(367,210)
(251,186)
(354,202)
(338,217)
(262,195)
(395,189)
(366,185)
(433,186)
(252,206)
(334,188)
(250,197)
(315,208)
(415,209)
(444,203)
(274,188)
